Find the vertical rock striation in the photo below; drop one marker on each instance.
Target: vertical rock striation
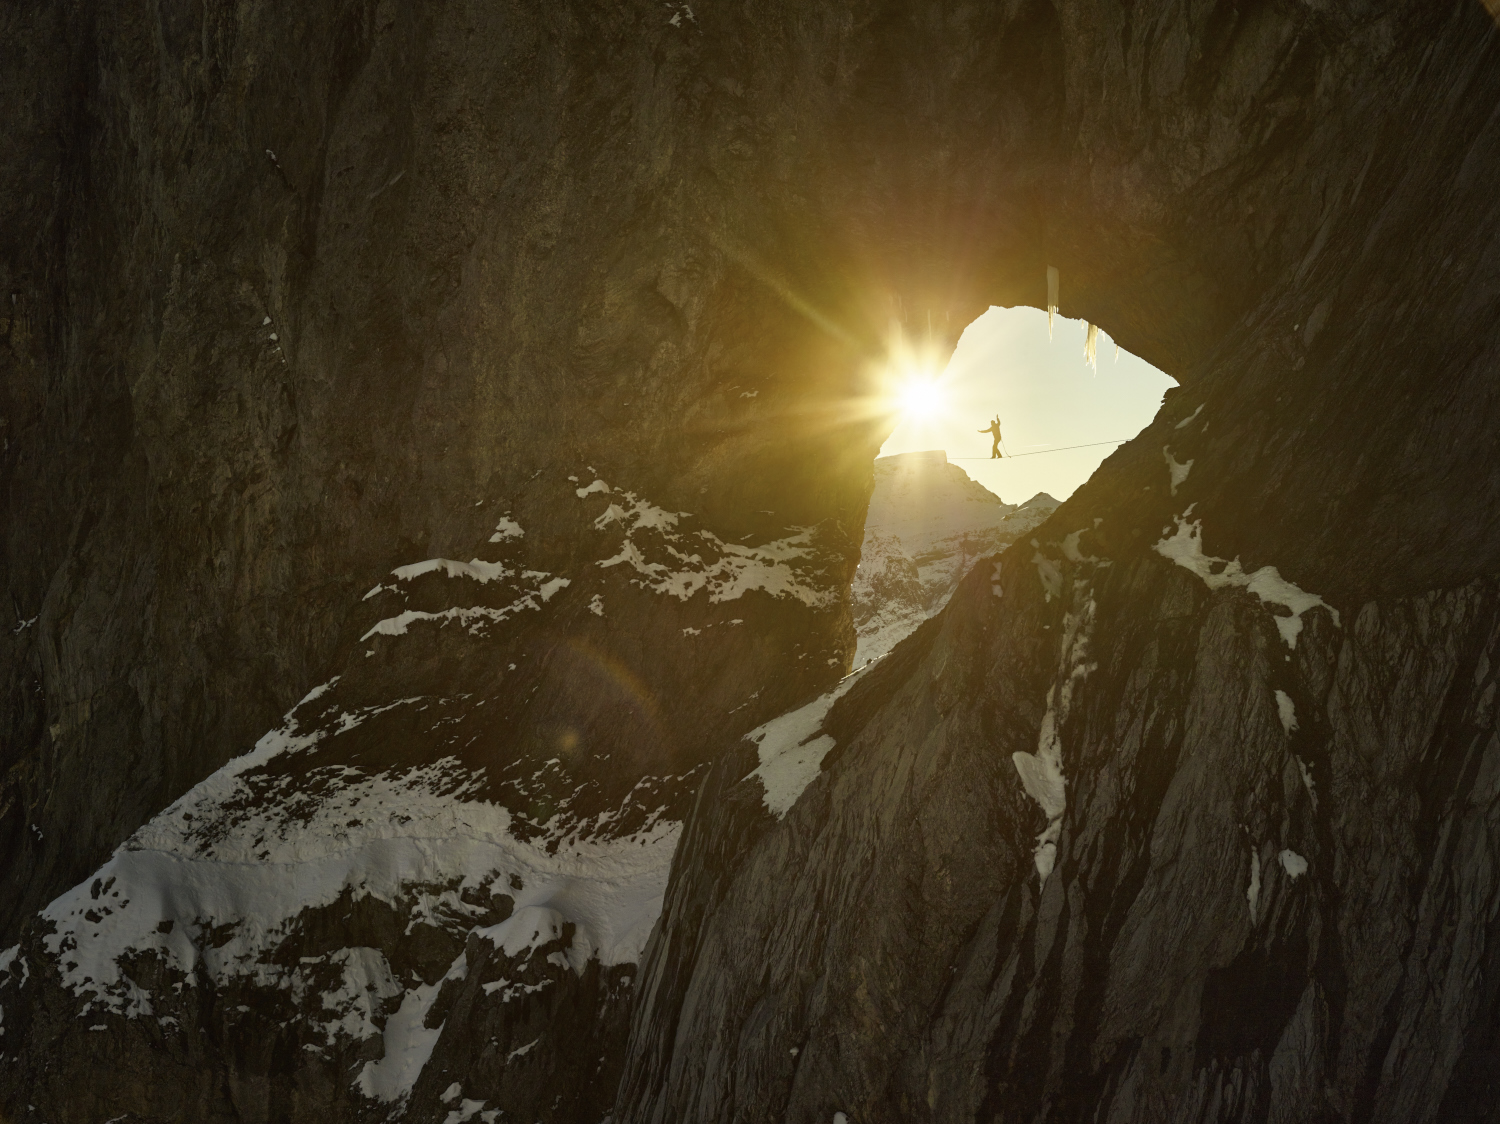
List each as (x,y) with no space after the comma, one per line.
(497,382)
(1186,812)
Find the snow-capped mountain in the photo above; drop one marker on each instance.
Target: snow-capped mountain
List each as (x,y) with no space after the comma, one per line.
(430,885)
(928,523)
(397,888)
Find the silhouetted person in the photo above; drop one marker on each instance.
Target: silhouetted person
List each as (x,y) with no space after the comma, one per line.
(994,429)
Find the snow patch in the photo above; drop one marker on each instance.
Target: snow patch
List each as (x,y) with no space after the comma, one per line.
(533,926)
(1294,864)
(521,1051)
(222,855)
(408,1042)
(1071,551)
(476,569)
(471,617)
(729,572)
(1178,472)
(1041,772)
(468,1109)
(1050,574)
(548,588)
(1307,781)
(1186,549)
(317,692)
(1286,711)
(641,515)
(7,958)
(507,529)
(1187,421)
(792,748)
(1252,895)
(365,983)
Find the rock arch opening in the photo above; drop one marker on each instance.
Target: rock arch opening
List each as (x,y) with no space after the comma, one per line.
(1061,414)
(1066,396)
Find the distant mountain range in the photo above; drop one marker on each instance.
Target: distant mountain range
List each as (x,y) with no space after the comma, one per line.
(928,523)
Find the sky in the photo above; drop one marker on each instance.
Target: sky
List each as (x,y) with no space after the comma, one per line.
(1047,397)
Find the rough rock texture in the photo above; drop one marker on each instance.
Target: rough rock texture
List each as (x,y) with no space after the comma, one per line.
(301,296)
(1130,833)
(926,525)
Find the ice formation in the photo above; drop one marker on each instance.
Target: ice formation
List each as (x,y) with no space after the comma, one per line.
(1053,281)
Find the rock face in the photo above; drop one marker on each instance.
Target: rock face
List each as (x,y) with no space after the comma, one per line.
(927,524)
(497,381)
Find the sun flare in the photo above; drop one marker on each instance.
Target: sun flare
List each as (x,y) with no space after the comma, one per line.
(919,396)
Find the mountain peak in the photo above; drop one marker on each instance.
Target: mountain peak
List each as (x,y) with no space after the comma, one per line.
(928,523)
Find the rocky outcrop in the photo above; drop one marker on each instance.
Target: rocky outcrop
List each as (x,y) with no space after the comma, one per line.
(1186,812)
(438,871)
(927,524)
(1101,841)
(498,383)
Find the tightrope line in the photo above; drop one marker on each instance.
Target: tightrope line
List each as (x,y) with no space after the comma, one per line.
(1039,452)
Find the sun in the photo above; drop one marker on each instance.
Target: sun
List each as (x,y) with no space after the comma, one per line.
(920,396)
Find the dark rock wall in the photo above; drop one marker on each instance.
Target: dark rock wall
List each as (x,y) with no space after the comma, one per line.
(303,288)
(296,295)
(890,949)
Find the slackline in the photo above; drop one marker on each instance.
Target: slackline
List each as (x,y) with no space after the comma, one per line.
(1039,452)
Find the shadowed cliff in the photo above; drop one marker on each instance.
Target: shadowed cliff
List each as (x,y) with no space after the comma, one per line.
(496,382)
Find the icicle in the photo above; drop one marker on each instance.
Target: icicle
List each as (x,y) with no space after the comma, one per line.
(1052,282)
(1091,346)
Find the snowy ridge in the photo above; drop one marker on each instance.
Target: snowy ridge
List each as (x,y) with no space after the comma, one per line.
(256,872)
(215,890)
(927,524)
(275,884)
(680,564)
(471,617)
(528,590)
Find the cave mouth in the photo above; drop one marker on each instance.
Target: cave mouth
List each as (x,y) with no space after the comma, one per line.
(940,503)
(1060,414)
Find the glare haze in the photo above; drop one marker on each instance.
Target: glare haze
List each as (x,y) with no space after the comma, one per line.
(1047,398)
